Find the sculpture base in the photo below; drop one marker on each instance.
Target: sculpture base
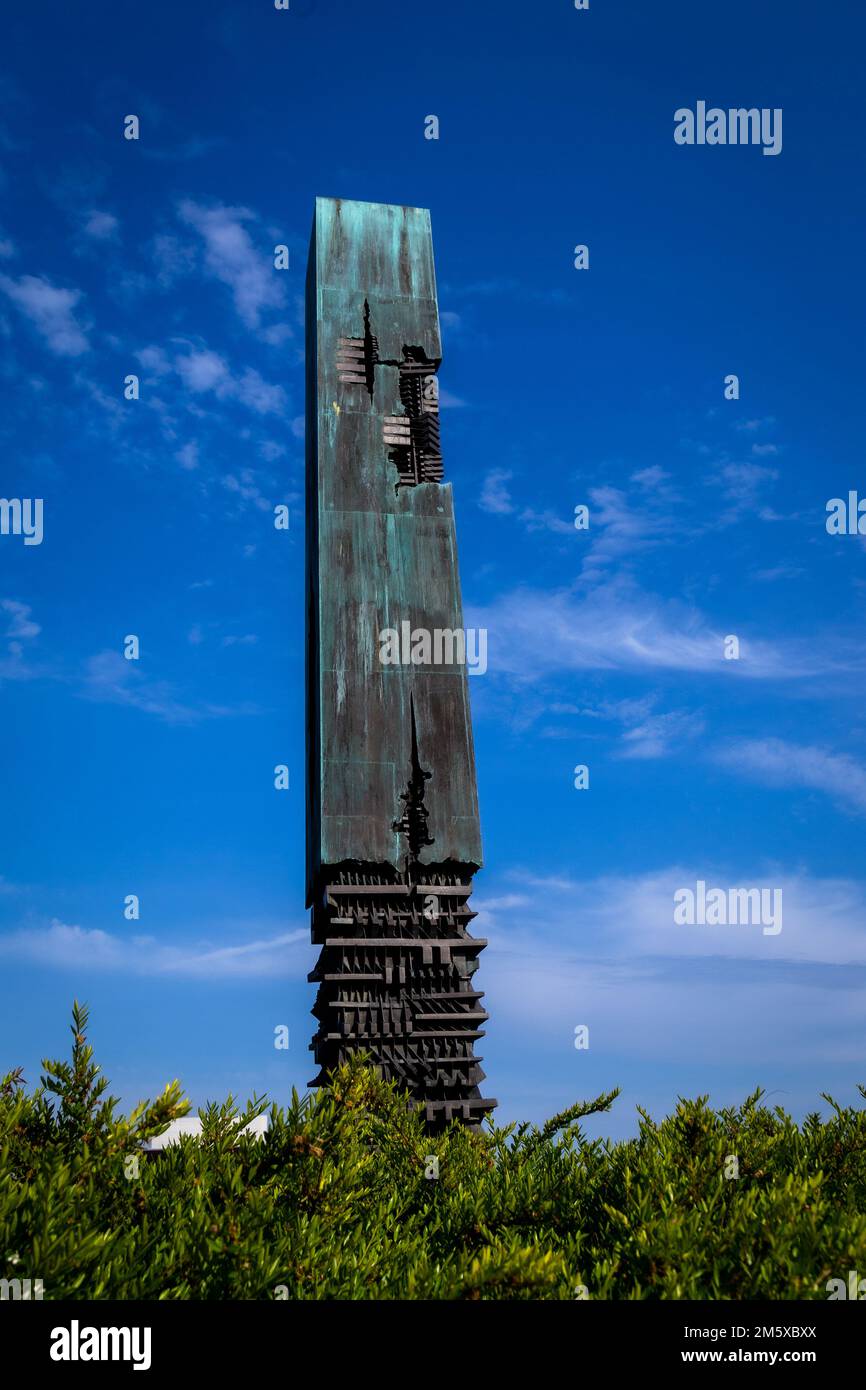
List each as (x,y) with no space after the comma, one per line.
(395,981)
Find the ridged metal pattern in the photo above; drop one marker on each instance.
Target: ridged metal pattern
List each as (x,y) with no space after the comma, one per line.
(395,980)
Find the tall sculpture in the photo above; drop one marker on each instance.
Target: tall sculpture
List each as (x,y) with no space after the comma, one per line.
(393,837)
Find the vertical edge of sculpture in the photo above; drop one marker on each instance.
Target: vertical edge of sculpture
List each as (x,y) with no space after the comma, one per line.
(393,836)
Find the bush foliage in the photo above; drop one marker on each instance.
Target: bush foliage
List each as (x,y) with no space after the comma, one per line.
(334,1201)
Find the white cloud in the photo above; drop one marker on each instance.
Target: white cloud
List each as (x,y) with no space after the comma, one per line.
(619,530)
(233,258)
(21,623)
(187,455)
(617,626)
(154,360)
(60,946)
(647,732)
(784,570)
(50,311)
(547,521)
(244,485)
(650,478)
(261,396)
(202,371)
(276,334)
(101,226)
(750,426)
(742,482)
(172,259)
(628,918)
(110,404)
(656,735)
(606,952)
(110,679)
(495,496)
(782,764)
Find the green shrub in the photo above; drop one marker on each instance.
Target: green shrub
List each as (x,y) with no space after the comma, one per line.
(334,1203)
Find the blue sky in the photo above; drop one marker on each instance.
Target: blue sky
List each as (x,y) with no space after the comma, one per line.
(560,387)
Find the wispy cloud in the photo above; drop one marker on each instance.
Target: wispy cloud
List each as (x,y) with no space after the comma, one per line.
(232,257)
(495,495)
(630,917)
(649,732)
(245,487)
(203,371)
(751,426)
(172,258)
(617,626)
(21,624)
(605,952)
(784,570)
(547,520)
(110,679)
(743,482)
(620,529)
(187,455)
(60,946)
(50,311)
(779,763)
(101,226)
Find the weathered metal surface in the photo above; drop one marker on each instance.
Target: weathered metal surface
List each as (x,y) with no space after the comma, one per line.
(391,771)
(380,553)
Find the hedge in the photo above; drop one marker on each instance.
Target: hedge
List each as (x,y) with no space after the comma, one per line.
(347,1197)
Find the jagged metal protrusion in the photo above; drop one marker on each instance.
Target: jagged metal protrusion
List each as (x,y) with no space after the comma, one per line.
(413,822)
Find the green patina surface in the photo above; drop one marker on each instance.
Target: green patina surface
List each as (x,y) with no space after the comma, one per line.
(377,556)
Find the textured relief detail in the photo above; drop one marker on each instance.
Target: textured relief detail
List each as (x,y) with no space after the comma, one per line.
(412,439)
(357,357)
(413,822)
(395,981)
(418,459)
